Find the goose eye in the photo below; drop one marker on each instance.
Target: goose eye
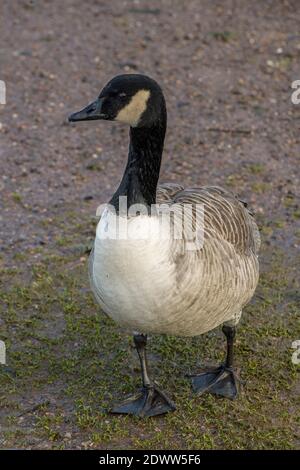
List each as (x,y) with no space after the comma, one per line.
(122,95)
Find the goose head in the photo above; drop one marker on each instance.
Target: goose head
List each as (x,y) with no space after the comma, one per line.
(133,99)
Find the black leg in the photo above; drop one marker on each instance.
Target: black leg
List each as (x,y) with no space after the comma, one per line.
(229,332)
(222,380)
(140,342)
(149,401)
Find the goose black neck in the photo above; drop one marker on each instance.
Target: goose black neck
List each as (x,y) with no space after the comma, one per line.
(141,174)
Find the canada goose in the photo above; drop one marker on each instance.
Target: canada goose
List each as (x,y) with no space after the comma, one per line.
(156,284)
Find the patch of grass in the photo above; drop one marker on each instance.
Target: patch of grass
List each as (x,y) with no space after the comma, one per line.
(223,36)
(17,197)
(296,214)
(234,180)
(279,223)
(48,425)
(94,166)
(289,200)
(256,168)
(60,345)
(261,187)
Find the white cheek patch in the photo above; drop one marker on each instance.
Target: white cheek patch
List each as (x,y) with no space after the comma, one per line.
(132,112)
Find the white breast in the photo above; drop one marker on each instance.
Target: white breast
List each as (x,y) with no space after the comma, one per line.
(132,277)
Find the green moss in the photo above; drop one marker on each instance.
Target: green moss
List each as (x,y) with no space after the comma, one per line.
(256,168)
(260,187)
(234,180)
(296,214)
(289,200)
(224,36)
(17,197)
(279,223)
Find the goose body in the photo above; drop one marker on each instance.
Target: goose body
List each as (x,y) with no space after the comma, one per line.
(153,284)
(146,277)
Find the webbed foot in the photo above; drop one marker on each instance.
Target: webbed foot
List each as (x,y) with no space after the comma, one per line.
(149,401)
(221,381)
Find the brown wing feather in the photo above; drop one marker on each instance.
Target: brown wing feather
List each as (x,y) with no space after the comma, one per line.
(166,191)
(225,216)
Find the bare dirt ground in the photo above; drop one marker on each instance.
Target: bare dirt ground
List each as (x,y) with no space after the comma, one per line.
(226,68)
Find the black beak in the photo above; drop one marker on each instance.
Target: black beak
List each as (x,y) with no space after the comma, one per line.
(90,113)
